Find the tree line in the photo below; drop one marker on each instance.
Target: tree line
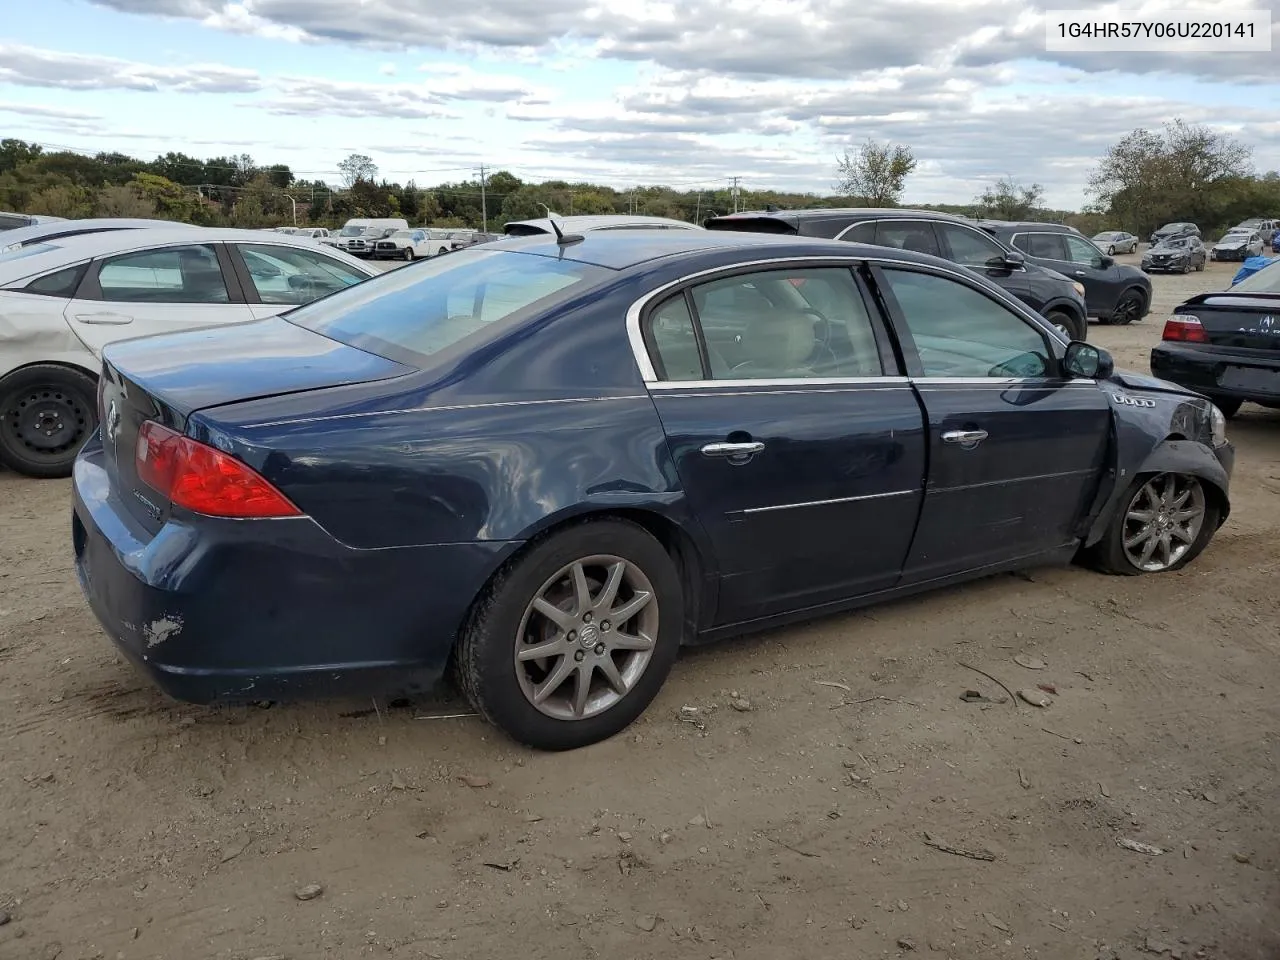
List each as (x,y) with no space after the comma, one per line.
(1183,172)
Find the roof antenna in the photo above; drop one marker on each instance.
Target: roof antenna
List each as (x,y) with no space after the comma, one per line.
(562,239)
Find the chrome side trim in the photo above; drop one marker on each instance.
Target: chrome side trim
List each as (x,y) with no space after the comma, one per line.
(851,260)
(441,409)
(1002,382)
(1010,481)
(828,503)
(699,385)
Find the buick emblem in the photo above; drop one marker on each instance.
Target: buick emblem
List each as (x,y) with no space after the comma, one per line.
(112,422)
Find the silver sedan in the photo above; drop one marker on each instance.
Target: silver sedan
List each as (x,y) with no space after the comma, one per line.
(1112,242)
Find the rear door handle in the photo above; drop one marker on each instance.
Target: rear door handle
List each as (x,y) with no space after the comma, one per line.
(104,318)
(972,437)
(732,449)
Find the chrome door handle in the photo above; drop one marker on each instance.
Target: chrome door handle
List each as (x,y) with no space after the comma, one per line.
(1080,273)
(964,436)
(732,449)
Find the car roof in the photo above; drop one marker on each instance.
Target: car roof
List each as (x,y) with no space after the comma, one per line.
(623,249)
(90,224)
(836,213)
(1029,225)
(65,251)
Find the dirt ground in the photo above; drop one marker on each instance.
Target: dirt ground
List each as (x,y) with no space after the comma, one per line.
(859,808)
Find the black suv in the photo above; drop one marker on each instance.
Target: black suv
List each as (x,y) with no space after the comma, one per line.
(1113,292)
(1179,228)
(1058,299)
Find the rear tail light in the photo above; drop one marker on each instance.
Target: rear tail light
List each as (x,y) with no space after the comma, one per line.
(196,477)
(1184,328)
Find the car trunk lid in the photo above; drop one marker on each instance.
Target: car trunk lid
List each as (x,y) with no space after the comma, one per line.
(168,378)
(1238,320)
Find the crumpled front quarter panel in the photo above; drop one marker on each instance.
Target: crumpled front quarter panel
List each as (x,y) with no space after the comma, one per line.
(33,330)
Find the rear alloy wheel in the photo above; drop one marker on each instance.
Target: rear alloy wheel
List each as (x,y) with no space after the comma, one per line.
(1071,327)
(1165,521)
(47,412)
(1128,308)
(569,645)
(408,253)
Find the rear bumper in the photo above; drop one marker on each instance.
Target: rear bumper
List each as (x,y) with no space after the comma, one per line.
(1220,372)
(225,611)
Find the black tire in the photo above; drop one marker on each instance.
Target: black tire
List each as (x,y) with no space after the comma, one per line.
(1186,266)
(408,253)
(1229,408)
(1111,251)
(1108,555)
(1077,327)
(1129,307)
(1200,267)
(483,662)
(64,398)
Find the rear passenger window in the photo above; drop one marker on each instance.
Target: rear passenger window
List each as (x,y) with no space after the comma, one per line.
(969,247)
(1045,246)
(188,274)
(787,324)
(63,283)
(907,235)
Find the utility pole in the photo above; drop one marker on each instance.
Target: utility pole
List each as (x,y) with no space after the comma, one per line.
(484,207)
(295,208)
(735,193)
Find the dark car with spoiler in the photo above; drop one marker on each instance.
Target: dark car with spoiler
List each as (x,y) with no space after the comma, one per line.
(1226,345)
(544,464)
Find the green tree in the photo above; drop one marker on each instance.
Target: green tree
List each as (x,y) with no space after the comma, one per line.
(62,200)
(1008,199)
(876,174)
(172,201)
(122,200)
(14,153)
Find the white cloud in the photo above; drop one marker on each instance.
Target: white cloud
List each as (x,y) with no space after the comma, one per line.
(33,67)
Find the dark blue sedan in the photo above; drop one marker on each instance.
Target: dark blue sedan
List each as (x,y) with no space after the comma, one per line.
(546,463)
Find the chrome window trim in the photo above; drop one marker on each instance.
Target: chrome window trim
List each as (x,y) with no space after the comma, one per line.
(946,268)
(440,409)
(887,380)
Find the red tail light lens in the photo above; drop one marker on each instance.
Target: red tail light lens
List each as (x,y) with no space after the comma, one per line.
(1184,328)
(197,477)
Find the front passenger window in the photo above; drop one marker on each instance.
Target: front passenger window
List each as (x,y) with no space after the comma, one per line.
(1083,252)
(959,332)
(969,247)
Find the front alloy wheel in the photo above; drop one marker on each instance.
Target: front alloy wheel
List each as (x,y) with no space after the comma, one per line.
(1163,521)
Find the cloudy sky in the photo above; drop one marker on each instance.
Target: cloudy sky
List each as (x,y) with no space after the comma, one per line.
(622,91)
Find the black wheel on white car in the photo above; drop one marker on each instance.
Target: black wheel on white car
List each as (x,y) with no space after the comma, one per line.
(571,642)
(47,412)
(1165,520)
(408,253)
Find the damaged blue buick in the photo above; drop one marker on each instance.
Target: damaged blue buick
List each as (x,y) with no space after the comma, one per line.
(543,465)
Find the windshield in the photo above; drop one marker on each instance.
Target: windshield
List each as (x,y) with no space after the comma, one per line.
(1235,236)
(403,234)
(1174,242)
(1266,280)
(1171,228)
(409,315)
(352,231)
(1107,236)
(1248,225)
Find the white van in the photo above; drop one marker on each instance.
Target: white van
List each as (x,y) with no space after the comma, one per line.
(358,236)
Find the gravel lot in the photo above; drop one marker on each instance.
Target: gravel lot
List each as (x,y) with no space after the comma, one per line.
(830,819)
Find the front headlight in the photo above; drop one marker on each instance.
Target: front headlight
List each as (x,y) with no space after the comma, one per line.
(1079,287)
(1217,425)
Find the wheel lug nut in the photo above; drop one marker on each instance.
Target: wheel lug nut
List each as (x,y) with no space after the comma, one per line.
(579,656)
(573,636)
(604,625)
(586,617)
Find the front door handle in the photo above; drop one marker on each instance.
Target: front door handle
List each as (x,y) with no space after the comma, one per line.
(104,318)
(745,449)
(964,437)
(1081,273)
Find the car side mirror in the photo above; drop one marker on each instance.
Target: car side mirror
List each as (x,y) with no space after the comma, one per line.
(1105,261)
(1086,361)
(1012,260)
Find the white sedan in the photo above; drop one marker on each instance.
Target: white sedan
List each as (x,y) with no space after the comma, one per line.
(63,300)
